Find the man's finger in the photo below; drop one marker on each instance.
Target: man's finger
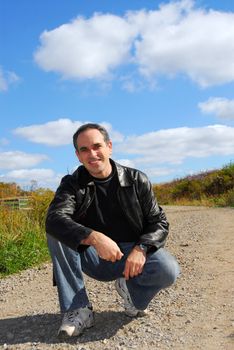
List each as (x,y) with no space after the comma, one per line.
(126,272)
(133,272)
(119,255)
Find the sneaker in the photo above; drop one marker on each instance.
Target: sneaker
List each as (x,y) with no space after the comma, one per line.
(130,309)
(76,321)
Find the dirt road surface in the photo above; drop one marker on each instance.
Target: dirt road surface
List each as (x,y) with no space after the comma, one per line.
(195,313)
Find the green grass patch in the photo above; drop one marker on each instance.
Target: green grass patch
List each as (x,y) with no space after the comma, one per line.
(20,254)
(22,235)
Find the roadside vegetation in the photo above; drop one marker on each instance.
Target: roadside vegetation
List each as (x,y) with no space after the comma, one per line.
(211,188)
(22,232)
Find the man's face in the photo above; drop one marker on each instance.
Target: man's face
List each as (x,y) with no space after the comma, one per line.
(94,153)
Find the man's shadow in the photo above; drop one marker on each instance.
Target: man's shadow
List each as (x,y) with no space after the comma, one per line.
(43,328)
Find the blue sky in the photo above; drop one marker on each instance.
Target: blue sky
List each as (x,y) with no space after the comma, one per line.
(158,74)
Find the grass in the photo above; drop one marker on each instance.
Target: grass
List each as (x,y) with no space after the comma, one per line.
(22,242)
(22,235)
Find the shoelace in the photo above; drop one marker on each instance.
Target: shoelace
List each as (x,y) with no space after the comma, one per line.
(72,316)
(127,296)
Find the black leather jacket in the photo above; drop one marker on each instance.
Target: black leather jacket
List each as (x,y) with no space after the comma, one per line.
(136,198)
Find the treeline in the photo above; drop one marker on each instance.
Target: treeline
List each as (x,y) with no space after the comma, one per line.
(211,188)
(9,190)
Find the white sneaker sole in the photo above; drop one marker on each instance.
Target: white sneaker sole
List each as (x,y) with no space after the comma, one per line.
(63,334)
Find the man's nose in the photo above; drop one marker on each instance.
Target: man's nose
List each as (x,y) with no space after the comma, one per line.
(92,153)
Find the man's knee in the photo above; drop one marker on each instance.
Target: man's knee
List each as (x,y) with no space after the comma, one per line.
(163,267)
(171,272)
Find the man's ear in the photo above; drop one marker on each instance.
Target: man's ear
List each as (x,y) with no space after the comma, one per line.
(77,154)
(110,146)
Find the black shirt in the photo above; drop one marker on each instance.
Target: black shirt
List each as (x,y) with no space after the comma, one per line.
(105,213)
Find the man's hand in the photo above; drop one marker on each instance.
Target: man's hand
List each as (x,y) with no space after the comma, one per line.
(134,263)
(106,248)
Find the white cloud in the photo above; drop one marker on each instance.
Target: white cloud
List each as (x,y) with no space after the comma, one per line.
(31,174)
(175,145)
(182,39)
(17,159)
(114,135)
(221,107)
(177,38)
(133,83)
(157,172)
(126,162)
(86,48)
(55,133)
(58,132)
(42,177)
(150,169)
(7,78)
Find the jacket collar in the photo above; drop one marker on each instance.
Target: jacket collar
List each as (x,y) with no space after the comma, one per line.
(85,179)
(123,176)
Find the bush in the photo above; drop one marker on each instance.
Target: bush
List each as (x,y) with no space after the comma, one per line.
(207,188)
(40,200)
(187,189)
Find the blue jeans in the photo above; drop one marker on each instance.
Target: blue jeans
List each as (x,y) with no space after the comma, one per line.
(160,271)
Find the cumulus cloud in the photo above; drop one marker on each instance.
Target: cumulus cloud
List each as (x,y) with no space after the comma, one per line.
(42,177)
(86,48)
(221,107)
(30,174)
(114,135)
(7,78)
(177,38)
(173,146)
(126,162)
(17,159)
(182,39)
(157,172)
(58,132)
(54,133)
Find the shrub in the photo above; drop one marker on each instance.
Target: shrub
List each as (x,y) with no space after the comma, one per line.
(40,200)
(207,188)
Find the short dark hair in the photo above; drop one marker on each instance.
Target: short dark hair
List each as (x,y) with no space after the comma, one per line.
(87,126)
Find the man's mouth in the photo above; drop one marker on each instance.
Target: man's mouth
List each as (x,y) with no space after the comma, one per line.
(94,161)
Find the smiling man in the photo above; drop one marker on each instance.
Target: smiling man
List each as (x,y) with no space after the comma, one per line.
(93,150)
(104,221)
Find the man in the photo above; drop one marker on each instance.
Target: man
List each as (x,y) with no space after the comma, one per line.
(104,221)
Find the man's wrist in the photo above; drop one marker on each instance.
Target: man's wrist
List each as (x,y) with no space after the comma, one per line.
(91,239)
(141,247)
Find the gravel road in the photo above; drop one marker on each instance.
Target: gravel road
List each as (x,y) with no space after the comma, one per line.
(195,313)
